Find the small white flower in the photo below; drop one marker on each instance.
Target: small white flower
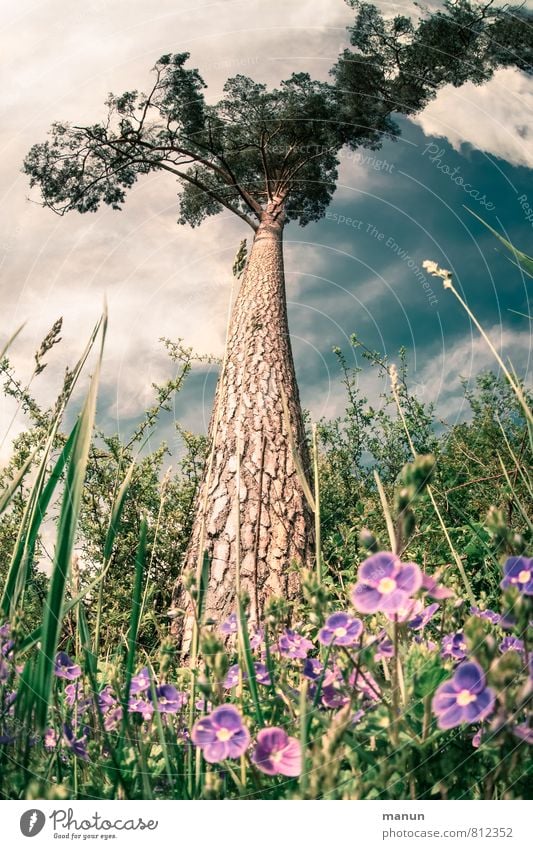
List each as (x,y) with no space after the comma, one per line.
(436,271)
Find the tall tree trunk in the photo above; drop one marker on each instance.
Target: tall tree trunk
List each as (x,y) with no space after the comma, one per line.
(275,525)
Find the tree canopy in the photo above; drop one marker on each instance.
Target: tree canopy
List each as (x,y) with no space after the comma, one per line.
(278,148)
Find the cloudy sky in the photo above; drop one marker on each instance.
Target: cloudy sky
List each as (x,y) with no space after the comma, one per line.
(351,272)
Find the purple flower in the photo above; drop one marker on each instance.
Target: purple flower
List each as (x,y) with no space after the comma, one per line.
(511,644)
(276,753)
(146,709)
(454,646)
(489,615)
(5,630)
(221,735)
(169,700)
(7,649)
(202,705)
(422,617)
(230,626)
(476,739)
(4,671)
(71,694)
(465,698)
(292,644)
(50,739)
(140,683)
(312,668)
(76,746)
(365,683)
(113,718)
(261,674)
(233,674)
(66,668)
(232,677)
(523,732)
(385,583)
(334,694)
(384,648)
(434,589)
(340,629)
(7,739)
(106,699)
(257,637)
(518,572)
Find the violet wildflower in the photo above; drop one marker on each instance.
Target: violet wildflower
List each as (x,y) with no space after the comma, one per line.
(221,735)
(256,637)
(365,683)
(276,753)
(434,589)
(233,676)
(489,615)
(384,648)
(4,671)
(76,746)
(140,682)
(385,583)
(464,698)
(518,572)
(146,709)
(169,700)
(71,694)
(66,668)
(523,732)
(511,644)
(292,644)
(476,739)
(106,699)
(7,739)
(50,739)
(422,617)
(312,668)
(334,694)
(454,646)
(340,629)
(261,674)
(230,626)
(113,718)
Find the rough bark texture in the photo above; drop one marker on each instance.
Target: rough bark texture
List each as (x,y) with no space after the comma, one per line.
(275,523)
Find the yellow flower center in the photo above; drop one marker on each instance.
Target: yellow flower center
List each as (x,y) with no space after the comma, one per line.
(224,734)
(524,576)
(340,632)
(465,697)
(386,586)
(276,756)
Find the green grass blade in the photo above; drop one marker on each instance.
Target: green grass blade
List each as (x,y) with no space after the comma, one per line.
(35,507)
(24,549)
(249,662)
(136,600)
(10,341)
(68,521)
(523,261)
(10,490)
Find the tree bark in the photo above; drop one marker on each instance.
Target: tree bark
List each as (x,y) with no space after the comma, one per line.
(275,523)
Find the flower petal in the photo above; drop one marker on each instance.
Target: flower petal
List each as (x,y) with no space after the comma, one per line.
(378,566)
(409,578)
(365,599)
(469,676)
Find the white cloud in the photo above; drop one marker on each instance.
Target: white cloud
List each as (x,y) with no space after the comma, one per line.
(495,118)
(439,380)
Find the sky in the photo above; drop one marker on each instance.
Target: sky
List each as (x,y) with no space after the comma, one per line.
(356,271)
